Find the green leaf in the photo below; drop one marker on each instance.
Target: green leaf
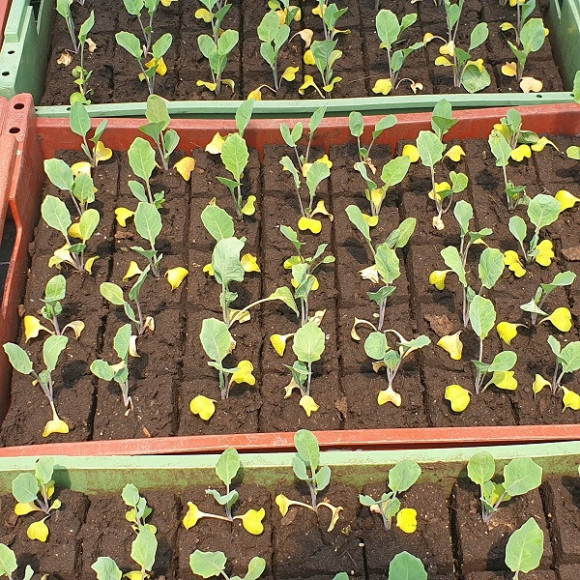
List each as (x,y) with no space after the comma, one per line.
(322,478)
(52,349)
(142,158)
(162,45)
(227,41)
(315,119)
(430,148)
(399,237)
(18,358)
(216,339)
(376,345)
(384,124)
(63,8)
(521,475)
(356,217)
(309,343)
(404,566)
(157,112)
(235,155)
(25,488)
(102,370)
(307,447)
(442,119)
(113,293)
(454,262)
(478,35)
(288,164)
(388,27)
(482,316)
(503,361)
(55,214)
(44,470)
(243,115)
(576,94)
(316,174)
(403,475)
(122,341)
(481,467)
(543,210)
(226,261)
(144,548)
(148,221)
(500,148)
(207,564)
(80,121)
(130,43)
(83,188)
(130,495)
(107,569)
(570,357)
(292,236)
(387,263)
(459,181)
(88,223)
(217,222)
(491,266)
(395,171)
(356,124)
(532,35)
(560,280)
(8,563)
(284,294)
(228,466)
(525,548)
(518,228)
(257,565)
(463,212)
(55,289)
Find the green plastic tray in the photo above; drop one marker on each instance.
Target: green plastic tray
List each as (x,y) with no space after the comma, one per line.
(443,466)
(24,54)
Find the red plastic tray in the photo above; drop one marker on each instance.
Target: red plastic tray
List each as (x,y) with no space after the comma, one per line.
(4,11)
(37,139)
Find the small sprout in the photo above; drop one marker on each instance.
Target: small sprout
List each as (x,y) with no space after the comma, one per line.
(9,565)
(567,361)
(165,139)
(142,161)
(80,124)
(227,468)
(51,350)
(323,54)
(139,511)
(525,548)
(307,468)
(210,564)
(356,126)
(34,494)
(216,51)
(118,372)
(273,35)
(520,476)
(329,14)
(292,137)
(80,74)
(401,477)
(148,225)
(54,292)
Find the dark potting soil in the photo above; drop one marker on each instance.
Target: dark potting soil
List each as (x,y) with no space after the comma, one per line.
(172,368)
(451,539)
(115,72)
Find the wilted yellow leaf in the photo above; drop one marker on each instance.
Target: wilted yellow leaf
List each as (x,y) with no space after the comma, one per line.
(90,263)
(512,261)
(315,226)
(132,270)
(279,341)
(452,344)
(243,373)
(383,86)
(509,69)
(519,153)
(193,515)
(215,146)
(389,396)
(207,84)
(541,143)
(250,263)
(455,153)
(458,397)
(505,380)
(531,85)
(308,59)
(38,531)
(102,153)
(290,73)
(123,214)
(249,208)
(561,319)
(202,406)
(443,61)
(55,425)
(309,405)
(539,383)
(252,521)
(571,400)
(411,152)
(407,520)
(81,167)
(437,278)
(566,199)
(185,167)
(545,253)
(507,331)
(175,276)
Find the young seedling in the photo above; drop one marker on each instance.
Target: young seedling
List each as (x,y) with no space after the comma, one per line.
(560,317)
(214,12)
(330,14)
(523,12)
(135,8)
(114,294)
(79,72)
(80,124)
(165,139)
(386,267)
(217,52)
(390,30)
(139,511)
(210,564)
(542,210)
(273,35)
(520,476)
(54,293)
(227,469)
(401,477)
(532,36)
(63,8)
(482,315)
(285,11)
(472,74)
(51,350)
(357,127)
(567,361)
(293,136)
(142,161)
(307,468)
(153,55)
(34,494)
(525,548)
(323,54)
(148,225)
(9,565)
(119,372)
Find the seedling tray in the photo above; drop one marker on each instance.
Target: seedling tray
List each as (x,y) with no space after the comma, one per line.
(23,62)
(4,11)
(450,538)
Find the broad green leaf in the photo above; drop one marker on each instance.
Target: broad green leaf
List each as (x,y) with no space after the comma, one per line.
(207,564)
(162,45)
(555,345)
(226,261)
(453,261)
(518,228)
(44,470)
(122,341)
(442,119)
(52,349)
(384,124)
(316,174)
(404,566)
(228,466)
(316,119)
(430,148)
(482,316)
(257,565)
(570,357)
(148,221)
(376,345)
(387,263)
(292,236)
(500,148)
(525,548)
(543,210)
(561,279)
(399,237)
(309,343)
(113,293)
(227,41)
(8,563)
(395,171)
(356,217)
(284,294)
(55,214)
(403,475)
(322,478)
(532,35)
(503,361)
(25,488)
(144,548)
(80,121)
(88,223)
(244,115)
(63,7)
(130,43)
(107,569)
(102,370)
(388,27)
(491,266)
(216,339)
(55,289)
(459,181)
(463,212)
(83,188)
(217,222)
(521,475)
(474,79)
(157,112)
(18,358)
(356,124)
(142,158)
(307,447)
(130,495)
(478,35)
(481,467)
(235,155)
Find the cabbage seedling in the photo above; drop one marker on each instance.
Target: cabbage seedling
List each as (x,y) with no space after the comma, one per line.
(135,8)
(472,74)
(114,294)
(210,564)
(148,225)
(9,565)
(235,157)
(273,35)
(330,15)
(155,65)
(323,54)
(54,293)
(377,348)
(79,72)
(523,11)
(227,469)
(214,12)
(525,548)
(34,494)
(567,361)
(292,137)
(543,210)
(51,350)
(520,476)
(142,161)
(139,511)
(307,468)
(482,315)
(80,124)
(118,372)
(389,30)
(357,127)
(63,8)
(217,52)
(285,11)
(166,139)
(401,477)
(561,317)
